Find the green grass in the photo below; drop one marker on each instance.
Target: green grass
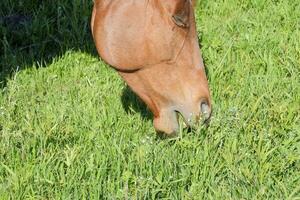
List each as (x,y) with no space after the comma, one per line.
(71,129)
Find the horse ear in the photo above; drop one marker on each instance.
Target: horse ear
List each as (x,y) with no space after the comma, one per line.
(181,15)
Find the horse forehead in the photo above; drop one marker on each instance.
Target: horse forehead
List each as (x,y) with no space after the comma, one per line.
(131,35)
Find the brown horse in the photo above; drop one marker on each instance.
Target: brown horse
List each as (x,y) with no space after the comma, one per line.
(153,45)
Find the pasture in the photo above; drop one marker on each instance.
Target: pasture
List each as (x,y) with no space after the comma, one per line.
(71,129)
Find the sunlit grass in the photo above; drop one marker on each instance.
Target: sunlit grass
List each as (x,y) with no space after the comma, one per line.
(71,129)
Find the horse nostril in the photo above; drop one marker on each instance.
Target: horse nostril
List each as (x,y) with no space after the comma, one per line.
(205,110)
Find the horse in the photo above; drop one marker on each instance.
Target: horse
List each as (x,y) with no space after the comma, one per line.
(154,47)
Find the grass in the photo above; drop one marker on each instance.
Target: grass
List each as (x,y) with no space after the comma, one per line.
(71,129)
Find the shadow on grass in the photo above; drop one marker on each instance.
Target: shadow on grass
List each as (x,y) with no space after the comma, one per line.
(32,32)
(133,104)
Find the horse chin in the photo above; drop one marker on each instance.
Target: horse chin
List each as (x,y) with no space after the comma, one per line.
(167,122)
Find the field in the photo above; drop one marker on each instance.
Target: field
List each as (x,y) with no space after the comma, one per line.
(71,129)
